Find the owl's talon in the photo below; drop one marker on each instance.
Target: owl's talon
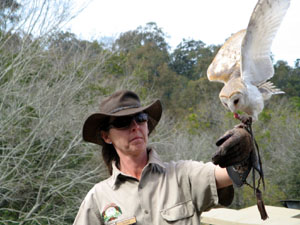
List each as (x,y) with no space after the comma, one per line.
(247,120)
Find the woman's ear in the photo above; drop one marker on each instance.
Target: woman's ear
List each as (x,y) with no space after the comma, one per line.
(105,137)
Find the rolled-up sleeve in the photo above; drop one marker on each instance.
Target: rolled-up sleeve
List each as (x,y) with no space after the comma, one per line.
(203,185)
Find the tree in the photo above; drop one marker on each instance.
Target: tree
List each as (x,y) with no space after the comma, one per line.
(287,78)
(191,59)
(44,96)
(139,54)
(8,14)
(131,40)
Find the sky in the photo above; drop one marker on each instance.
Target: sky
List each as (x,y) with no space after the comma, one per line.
(211,21)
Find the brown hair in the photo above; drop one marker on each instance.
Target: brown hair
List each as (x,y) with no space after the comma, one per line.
(109,155)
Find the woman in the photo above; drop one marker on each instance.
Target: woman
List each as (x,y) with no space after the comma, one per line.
(141,188)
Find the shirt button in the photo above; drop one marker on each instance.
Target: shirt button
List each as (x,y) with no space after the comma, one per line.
(146,211)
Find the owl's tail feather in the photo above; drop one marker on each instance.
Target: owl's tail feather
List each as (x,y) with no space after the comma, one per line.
(267,89)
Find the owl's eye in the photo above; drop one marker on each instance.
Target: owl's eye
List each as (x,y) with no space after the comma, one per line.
(236,101)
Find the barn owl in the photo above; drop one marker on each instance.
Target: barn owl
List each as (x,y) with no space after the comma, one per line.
(244,64)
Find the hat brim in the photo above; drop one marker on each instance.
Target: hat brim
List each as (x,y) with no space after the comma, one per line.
(91,127)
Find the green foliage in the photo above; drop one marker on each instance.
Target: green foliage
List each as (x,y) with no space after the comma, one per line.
(191,59)
(287,78)
(195,123)
(295,102)
(265,116)
(271,196)
(150,34)
(116,65)
(293,177)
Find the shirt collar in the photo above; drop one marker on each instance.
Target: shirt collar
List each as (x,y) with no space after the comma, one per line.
(154,159)
(116,173)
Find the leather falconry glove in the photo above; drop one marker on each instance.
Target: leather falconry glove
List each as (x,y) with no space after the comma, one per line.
(235,147)
(234,153)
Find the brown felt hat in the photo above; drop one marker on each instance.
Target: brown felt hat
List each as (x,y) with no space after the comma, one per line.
(121,103)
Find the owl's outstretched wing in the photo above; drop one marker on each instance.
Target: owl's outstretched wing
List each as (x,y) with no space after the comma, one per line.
(227,61)
(264,23)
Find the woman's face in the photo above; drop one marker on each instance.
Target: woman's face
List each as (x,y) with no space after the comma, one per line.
(129,141)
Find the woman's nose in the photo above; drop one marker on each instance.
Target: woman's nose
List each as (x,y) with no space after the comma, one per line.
(134,124)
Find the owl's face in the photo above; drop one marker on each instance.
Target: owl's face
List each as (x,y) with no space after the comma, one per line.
(234,102)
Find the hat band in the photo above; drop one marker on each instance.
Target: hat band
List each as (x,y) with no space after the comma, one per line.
(123,108)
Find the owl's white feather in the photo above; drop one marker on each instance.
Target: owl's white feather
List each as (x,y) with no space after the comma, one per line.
(244,64)
(256,64)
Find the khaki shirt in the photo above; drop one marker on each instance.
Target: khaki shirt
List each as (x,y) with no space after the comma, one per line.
(167,193)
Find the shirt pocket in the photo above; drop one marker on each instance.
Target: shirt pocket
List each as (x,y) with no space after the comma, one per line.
(180,211)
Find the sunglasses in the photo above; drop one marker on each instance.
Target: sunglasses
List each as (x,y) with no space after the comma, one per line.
(125,121)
